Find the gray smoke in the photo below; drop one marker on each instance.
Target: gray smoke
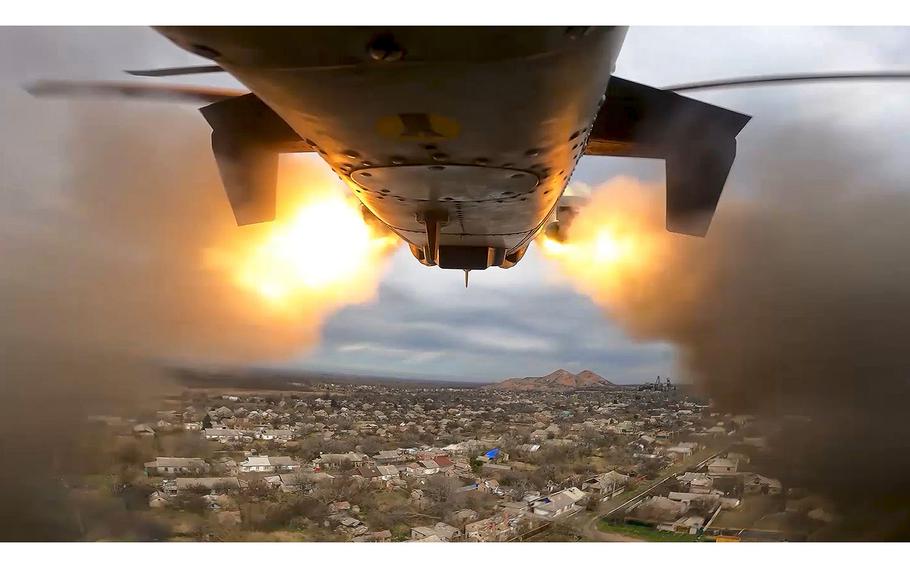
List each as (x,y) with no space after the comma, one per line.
(797,304)
(104,281)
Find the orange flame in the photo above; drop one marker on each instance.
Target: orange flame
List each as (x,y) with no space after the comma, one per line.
(318,252)
(610,244)
(619,253)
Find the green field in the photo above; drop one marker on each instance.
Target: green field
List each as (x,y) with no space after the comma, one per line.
(648,534)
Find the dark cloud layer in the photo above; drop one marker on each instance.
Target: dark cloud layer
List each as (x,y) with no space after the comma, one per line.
(525,332)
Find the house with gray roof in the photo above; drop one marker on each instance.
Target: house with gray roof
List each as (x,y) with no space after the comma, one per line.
(167,466)
(268,464)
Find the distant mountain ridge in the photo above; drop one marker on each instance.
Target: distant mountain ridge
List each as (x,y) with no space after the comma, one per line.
(557,381)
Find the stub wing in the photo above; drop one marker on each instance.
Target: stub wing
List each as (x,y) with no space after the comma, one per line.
(247,137)
(697,140)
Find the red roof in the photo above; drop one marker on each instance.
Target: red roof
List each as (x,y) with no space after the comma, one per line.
(443,461)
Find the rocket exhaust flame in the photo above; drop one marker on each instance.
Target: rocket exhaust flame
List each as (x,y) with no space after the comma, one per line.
(320,249)
(615,244)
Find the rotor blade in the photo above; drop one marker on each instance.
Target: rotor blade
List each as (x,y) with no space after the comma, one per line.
(170,93)
(172,71)
(794,78)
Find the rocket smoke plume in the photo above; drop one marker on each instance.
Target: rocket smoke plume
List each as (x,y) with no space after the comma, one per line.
(120,252)
(796,304)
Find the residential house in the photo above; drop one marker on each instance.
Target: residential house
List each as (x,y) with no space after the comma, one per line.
(223,435)
(368,472)
(335,461)
(754,483)
(514,508)
(387,472)
(420,533)
(690,524)
(298,481)
(421,468)
(606,485)
(559,503)
(464,516)
(657,510)
(275,435)
(708,501)
(689,477)
(444,532)
(267,464)
(497,528)
(679,452)
(447,532)
(722,466)
(387,457)
(351,526)
(212,484)
(430,467)
(176,466)
(444,464)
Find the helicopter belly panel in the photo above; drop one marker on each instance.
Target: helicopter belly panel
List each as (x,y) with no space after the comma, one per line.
(488,136)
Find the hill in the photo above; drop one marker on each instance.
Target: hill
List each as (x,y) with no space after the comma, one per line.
(557,381)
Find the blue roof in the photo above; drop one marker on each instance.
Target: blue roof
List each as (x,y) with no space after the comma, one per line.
(492,453)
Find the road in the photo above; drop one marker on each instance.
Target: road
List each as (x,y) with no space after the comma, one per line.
(584,524)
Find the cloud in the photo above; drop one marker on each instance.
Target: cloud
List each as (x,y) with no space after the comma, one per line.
(509,332)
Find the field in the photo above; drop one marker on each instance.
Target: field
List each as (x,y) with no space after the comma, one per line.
(648,534)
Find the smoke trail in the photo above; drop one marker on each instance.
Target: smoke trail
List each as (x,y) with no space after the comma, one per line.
(794,306)
(107,238)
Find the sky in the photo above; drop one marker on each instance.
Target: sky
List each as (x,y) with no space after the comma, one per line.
(529,320)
